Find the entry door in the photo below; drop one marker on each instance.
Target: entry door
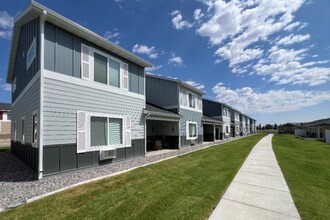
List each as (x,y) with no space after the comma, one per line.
(217,134)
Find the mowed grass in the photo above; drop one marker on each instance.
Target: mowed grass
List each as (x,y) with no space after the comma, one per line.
(186,187)
(306,168)
(4,149)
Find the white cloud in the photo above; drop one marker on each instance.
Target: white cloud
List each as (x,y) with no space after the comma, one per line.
(176,60)
(112,36)
(143,49)
(250,101)
(195,84)
(4,86)
(198,14)
(6,25)
(244,33)
(178,22)
(292,39)
(154,68)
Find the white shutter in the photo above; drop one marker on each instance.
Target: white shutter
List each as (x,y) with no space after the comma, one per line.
(124,75)
(128,133)
(85,62)
(82,138)
(187,130)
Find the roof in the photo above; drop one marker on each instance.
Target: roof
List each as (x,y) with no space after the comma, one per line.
(159,111)
(211,120)
(34,10)
(5,106)
(180,82)
(325,121)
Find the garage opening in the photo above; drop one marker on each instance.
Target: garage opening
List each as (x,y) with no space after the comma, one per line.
(162,135)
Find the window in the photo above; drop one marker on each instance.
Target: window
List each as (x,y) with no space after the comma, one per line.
(191,100)
(104,68)
(23,130)
(106,131)
(98,131)
(35,128)
(100,69)
(225,112)
(31,54)
(227,130)
(191,130)
(14,85)
(114,73)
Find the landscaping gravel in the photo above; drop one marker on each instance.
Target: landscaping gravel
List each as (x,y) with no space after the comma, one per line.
(18,183)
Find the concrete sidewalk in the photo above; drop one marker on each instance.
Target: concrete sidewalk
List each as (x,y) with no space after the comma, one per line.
(259,190)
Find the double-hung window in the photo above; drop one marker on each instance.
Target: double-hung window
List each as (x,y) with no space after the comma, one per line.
(35,128)
(103,68)
(191,130)
(106,131)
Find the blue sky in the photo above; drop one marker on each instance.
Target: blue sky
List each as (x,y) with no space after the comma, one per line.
(269,59)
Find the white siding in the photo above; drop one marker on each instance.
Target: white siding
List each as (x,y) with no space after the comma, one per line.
(184,100)
(62,100)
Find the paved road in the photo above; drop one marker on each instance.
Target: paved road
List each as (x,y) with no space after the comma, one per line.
(259,190)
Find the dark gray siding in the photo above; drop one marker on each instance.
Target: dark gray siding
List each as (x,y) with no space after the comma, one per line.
(62,55)
(211,109)
(63,158)
(23,76)
(161,92)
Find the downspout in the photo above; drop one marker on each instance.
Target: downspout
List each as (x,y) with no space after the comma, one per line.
(41,120)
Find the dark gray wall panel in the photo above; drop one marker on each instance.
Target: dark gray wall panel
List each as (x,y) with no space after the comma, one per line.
(23,76)
(50,36)
(68,160)
(129,152)
(121,154)
(64,52)
(141,81)
(211,109)
(161,92)
(76,57)
(84,160)
(26,153)
(51,160)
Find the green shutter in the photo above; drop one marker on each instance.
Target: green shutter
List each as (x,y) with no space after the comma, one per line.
(115,131)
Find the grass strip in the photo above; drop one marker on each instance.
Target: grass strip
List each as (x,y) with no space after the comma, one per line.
(186,187)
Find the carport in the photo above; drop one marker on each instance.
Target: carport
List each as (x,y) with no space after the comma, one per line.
(211,129)
(162,128)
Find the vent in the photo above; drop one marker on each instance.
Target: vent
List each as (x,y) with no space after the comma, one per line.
(108,154)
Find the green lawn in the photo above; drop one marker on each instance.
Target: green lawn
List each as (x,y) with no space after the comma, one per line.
(4,149)
(186,187)
(306,167)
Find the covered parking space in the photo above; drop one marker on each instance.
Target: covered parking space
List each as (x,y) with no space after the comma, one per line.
(211,129)
(162,128)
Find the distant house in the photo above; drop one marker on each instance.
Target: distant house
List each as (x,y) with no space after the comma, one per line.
(235,123)
(221,112)
(5,120)
(180,98)
(287,128)
(317,128)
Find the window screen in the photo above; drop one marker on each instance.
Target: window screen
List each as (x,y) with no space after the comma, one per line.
(100,68)
(115,131)
(192,130)
(114,73)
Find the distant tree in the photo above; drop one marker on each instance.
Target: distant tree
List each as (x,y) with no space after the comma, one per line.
(268,126)
(259,127)
(275,126)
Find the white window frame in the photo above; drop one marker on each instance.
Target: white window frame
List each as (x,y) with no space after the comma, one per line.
(35,142)
(112,146)
(23,135)
(187,130)
(109,57)
(84,132)
(33,46)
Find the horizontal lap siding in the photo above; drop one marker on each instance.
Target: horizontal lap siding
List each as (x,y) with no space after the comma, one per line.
(63,99)
(24,107)
(187,115)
